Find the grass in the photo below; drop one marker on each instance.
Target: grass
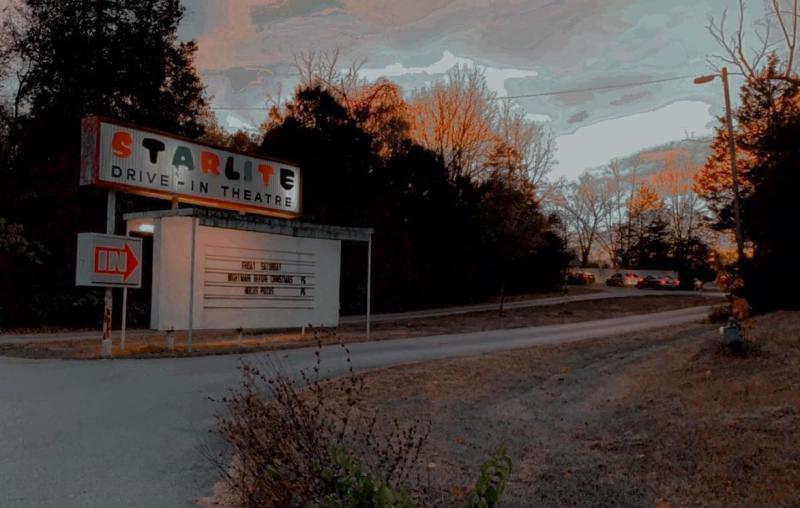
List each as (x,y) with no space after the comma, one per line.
(663,418)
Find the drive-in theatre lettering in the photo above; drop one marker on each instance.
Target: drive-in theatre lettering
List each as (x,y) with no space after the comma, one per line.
(119,156)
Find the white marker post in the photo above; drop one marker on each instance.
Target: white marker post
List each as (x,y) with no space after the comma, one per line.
(191,284)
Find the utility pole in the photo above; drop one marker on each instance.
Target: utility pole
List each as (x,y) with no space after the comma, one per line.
(732,154)
(734,174)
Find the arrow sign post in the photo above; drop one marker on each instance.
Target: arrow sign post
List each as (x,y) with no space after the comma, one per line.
(108,261)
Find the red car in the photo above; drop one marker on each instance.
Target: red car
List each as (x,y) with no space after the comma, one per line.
(580,278)
(654,282)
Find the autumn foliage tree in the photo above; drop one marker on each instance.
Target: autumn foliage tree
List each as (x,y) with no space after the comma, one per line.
(767,127)
(438,238)
(475,132)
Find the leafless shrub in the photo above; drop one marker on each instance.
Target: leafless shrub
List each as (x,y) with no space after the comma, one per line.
(309,443)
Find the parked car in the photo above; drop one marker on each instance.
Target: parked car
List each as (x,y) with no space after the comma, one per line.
(623,280)
(655,282)
(580,278)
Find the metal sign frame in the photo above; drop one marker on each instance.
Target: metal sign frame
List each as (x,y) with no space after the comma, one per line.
(198,184)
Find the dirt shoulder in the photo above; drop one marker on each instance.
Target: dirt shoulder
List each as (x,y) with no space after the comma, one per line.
(664,418)
(206,343)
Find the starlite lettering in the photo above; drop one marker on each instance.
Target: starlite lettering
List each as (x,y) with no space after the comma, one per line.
(169,167)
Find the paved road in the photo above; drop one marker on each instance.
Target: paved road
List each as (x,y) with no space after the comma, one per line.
(604,293)
(132,433)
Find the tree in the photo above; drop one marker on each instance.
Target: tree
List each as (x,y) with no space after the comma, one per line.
(378,107)
(750,59)
(341,164)
(768,107)
(768,127)
(511,224)
(674,183)
(651,247)
(615,236)
(520,148)
(455,118)
(119,58)
(438,239)
(586,204)
(766,124)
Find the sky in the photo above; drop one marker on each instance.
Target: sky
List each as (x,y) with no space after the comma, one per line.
(247,48)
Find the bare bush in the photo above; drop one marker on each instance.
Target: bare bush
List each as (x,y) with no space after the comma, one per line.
(306,443)
(312,443)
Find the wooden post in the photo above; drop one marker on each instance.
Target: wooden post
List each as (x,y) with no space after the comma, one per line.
(734,174)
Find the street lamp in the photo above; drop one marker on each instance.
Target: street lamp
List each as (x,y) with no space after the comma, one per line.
(732,148)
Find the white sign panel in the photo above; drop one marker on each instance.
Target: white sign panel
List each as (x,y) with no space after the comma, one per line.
(243,278)
(258,279)
(108,261)
(132,159)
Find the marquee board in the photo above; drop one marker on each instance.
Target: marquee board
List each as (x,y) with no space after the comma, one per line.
(243,278)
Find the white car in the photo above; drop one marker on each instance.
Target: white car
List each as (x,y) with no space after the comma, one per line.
(623,280)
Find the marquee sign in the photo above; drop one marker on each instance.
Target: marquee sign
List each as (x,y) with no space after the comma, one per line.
(241,278)
(120,156)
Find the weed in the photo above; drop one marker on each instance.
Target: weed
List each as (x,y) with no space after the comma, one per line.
(309,443)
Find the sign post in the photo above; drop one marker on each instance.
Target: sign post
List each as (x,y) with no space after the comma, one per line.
(108,261)
(123,325)
(191,284)
(108,299)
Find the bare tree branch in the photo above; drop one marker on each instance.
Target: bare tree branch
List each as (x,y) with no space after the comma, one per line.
(734,46)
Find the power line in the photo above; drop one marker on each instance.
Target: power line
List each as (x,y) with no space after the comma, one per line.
(240,109)
(525,96)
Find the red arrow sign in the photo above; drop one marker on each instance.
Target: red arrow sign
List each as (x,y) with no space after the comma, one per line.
(115,261)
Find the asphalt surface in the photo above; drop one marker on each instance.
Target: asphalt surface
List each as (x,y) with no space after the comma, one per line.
(136,433)
(603,293)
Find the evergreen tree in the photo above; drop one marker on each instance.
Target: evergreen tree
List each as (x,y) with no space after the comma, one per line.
(767,129)
(118,58)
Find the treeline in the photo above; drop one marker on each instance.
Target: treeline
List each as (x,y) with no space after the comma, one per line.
(653,220)
(448,178)
(451,196)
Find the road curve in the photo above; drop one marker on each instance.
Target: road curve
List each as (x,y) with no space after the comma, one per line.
(131,433)
(603,293)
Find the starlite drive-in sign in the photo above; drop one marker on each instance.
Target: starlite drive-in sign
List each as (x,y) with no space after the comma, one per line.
(108,261)
(120,156)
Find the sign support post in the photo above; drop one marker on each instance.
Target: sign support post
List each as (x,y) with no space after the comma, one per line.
(124,303)
(108,300)
(191,284)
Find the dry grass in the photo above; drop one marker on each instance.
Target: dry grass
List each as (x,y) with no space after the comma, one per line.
(665,418)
